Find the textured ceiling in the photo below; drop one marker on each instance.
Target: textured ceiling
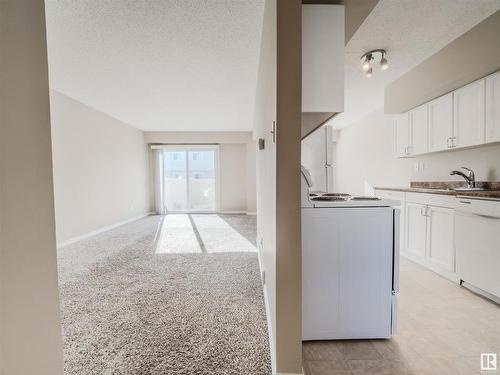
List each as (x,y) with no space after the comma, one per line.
(171,65)
(410,31)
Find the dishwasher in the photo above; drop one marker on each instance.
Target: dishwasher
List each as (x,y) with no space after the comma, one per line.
(477,241)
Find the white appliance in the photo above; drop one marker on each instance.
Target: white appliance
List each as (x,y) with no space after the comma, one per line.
(477,239)
(350,266)
(317,157)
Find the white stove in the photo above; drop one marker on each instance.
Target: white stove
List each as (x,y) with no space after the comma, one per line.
(346,201)
(319,199)
(350,265)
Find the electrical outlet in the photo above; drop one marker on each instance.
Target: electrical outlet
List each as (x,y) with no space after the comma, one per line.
(416,166)
(421,166)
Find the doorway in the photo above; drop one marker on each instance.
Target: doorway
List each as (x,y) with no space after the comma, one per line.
(190,178)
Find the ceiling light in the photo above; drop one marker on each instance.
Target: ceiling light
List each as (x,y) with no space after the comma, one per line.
(365,65)
(367,58)
(383,63)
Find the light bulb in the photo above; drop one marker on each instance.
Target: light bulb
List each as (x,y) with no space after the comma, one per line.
(366,64)
(369,73)
(383,63)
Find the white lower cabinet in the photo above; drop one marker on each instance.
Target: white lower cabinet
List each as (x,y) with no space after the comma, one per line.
(440,238)
(429,232)
(427,223)
(416,229)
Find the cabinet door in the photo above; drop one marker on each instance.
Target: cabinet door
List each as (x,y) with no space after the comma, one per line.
(441,123)
(399,197)
(440,231)
(419,130)
(402,135)
(468,122)
(416,229)
(493,108)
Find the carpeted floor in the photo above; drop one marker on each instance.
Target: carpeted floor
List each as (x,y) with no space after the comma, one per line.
(128,308)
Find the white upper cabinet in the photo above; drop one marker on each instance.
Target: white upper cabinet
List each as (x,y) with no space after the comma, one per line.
(402,135)
(468,111)
(468,116)
(419,130)
(322,58)
(441,123)
(493,108)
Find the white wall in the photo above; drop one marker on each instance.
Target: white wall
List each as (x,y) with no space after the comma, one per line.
(364,153)
(233,175)
(265,114)
(30,331)
(251,188)
(101,172)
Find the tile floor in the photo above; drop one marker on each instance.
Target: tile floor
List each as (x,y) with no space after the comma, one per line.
(442,329)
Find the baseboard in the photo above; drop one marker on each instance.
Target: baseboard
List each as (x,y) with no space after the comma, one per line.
(270,327)
(100,230)
(481,292)
(431,267)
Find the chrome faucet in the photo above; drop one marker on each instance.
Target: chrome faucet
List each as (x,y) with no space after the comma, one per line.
(469,177)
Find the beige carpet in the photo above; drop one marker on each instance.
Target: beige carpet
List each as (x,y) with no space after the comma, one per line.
(131,307)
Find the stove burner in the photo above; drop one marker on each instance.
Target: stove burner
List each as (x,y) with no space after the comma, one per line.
(329,198)
(336,195)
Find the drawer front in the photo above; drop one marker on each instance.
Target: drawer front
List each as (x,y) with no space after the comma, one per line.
(431,199)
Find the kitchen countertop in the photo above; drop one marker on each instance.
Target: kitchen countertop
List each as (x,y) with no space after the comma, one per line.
(492,188)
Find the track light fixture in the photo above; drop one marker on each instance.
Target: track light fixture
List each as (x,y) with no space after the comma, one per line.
(367,59)
(366,62)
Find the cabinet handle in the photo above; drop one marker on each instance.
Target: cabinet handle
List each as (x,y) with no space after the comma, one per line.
(453,142)
(424,211)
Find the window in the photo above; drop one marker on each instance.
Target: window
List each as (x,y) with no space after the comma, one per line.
(189,179)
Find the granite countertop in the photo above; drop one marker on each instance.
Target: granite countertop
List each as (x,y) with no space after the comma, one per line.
(492,188)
